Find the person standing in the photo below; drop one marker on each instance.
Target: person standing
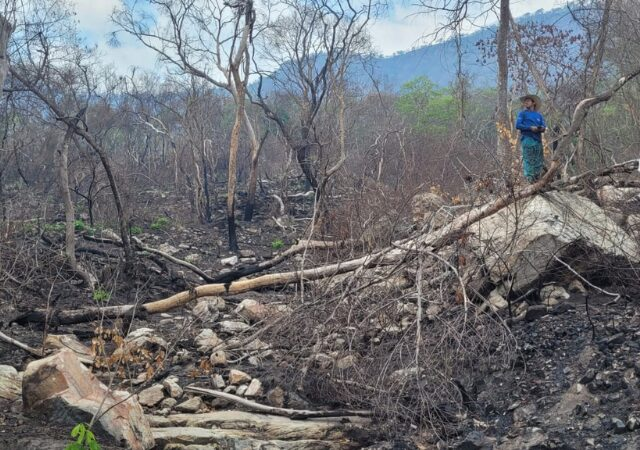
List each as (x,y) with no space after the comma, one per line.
(531,125)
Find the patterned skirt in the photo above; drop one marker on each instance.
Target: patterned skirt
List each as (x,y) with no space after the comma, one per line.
(532,159)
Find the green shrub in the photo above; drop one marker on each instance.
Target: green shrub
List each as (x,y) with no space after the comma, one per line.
(79,225)
(135,230)
(160,223)
(55,227)
(101,295)
(85,439)
(277,244)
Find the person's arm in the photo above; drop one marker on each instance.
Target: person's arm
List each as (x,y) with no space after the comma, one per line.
(520,122)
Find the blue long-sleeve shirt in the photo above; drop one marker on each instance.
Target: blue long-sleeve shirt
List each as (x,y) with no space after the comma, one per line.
(526,120)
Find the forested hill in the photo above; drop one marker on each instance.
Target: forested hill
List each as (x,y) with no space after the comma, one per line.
(438,61)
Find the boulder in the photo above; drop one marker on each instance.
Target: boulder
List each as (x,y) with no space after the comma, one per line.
(10,383)
(61,390)
(523,238)
(552,294)
(617,196)
(192,405)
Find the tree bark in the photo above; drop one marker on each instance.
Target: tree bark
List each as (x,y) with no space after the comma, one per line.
(504,152)
(69,211)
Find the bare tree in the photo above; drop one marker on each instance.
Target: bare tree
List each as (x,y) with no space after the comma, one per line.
(208,39)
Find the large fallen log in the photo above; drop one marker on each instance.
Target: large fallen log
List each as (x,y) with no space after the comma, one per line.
(399,250)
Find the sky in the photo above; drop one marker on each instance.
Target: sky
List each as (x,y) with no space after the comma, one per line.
(403,28)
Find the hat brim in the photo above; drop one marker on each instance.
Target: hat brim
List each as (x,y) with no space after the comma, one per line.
(535,98)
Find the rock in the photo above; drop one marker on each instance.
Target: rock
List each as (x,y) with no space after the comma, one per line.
(476,440)
(531,439)
(238,377)
(214,301)
(61,390)
(497,301)
(241,390)
(192,258)
(611,196)
(428,207)
(523,238)
(168,248)
(142,338)
(230,261)
(71,342)
(346,362)
(172,387)
(10,383)
(218,381)
(551,294)
(230,326)
(192,405)
(632,423)
(252,310)
(168,403)
(151,396)
(254,389)
(618,426)
(207,340)
(247,253)
(577,287)
(218,358)
(206,311)
(275,397)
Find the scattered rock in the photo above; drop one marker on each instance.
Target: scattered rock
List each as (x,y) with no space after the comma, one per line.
(206,311)
(577,287)
(192,258)
(497,301)
(428,207)
(230,261)
(275,397)
(252,310)
(207,340)
(476,440)
(172,387)
(60,389)
(192,405)
(241,390)
(218,358)
(168,248)
(218,381)
(238,377)
(552,294)
(151,396)
(346,362)
(168,403)
(247,253)
(618,426)
(531,439)
(230,326)
(10,383)
(632,423)
(254,389)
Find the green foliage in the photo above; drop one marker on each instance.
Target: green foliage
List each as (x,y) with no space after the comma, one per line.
(56,227)
(85,439)
(101,295)
(428,108)
(160,224)
(135,230)
(79,225)
(277,244)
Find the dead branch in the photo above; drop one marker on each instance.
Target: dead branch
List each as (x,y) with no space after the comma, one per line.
(287,412)
(20,345)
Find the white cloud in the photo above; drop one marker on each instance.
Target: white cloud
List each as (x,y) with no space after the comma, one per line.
(408,26)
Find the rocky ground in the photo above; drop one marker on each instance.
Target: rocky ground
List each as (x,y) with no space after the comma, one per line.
(574,383)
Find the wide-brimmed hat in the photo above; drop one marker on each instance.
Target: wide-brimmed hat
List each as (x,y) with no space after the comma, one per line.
(537,103)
